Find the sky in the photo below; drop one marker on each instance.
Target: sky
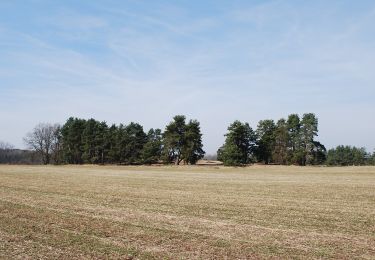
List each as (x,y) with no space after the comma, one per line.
(214,61)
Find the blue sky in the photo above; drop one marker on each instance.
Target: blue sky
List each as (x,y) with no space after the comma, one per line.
(215,61)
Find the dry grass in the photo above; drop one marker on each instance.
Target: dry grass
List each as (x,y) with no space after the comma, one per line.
(187,212)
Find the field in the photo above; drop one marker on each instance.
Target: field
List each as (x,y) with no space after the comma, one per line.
(186,212)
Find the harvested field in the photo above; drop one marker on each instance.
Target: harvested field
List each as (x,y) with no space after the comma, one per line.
(198,212)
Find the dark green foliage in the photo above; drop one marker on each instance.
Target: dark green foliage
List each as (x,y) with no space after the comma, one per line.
(84,141)
(174,139)
(288,142)
(94,142)
(309,129)
(282,141)
(192,150)
(266,140)
(91,141)
(348,155)
(372,159)
(111,147)
(295,149)
(297,141)
(239,145)
(230,154)
(319,153)
(294,130)
(182,142)
(130,141)
(151,152)
(72,144)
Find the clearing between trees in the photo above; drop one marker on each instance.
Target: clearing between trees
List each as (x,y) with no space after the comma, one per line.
(187,212)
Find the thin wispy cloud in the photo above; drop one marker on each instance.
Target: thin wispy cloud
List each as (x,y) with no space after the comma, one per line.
(215,61)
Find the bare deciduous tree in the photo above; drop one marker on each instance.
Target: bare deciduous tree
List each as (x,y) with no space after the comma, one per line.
(44,139)
(5,146)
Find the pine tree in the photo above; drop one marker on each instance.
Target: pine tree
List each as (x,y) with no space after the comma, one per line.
(174,140)
(309,129)
(282,140)
(192,150)
(266,140)
(72,145)
(239,145)
(151,152)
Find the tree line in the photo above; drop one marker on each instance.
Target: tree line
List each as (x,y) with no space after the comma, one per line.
(349,155)
(10,155)
(290,141)
(81,141)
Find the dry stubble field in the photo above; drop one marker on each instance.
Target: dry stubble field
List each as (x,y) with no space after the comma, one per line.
(187,212)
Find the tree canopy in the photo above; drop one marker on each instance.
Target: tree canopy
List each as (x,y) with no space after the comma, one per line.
(286,142)
(90,141)
(239,145)
(182,142)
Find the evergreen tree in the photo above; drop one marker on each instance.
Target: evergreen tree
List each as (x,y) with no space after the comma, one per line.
(192,150)
(282,140)
(360,156)
(372,159)
(182,142)
(174,140)
(230,154)
(347,155)
(121,142)
(111,147)
(151,152)
(94,141)
(295,151)
(309,129)
(239,145)
(131,139)
(88,141)
(72,133)
(319,153)
(101,142)
(266,140)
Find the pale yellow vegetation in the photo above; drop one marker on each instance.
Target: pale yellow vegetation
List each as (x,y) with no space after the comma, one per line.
(186,212)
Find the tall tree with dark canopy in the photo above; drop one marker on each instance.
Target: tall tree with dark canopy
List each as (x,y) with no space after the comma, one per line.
(282,140)
(239,145)
(192,150)
(101,142)
(372,159)
(319,153)
(296,152)
(72,132)
(309,129)
(131,140)
(112,149)
(266,140)
(174,139)
(348,155)
(182,142)
(94,141)
(151,152)
(88,141)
